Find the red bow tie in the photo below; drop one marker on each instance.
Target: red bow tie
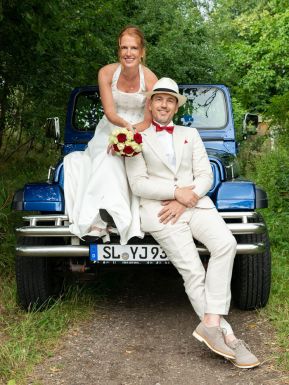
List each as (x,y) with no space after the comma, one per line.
(169,129)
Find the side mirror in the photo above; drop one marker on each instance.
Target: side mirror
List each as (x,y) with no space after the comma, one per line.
(52,129)
(250,124)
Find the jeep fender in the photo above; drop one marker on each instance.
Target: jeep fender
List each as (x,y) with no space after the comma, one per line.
(240,195)
(39,197)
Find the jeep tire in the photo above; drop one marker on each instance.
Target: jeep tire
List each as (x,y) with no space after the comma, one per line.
(251,279)
(38,279)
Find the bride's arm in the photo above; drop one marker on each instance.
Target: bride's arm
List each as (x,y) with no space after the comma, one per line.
(104,81)
(150,80)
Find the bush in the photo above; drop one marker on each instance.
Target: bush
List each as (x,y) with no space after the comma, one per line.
(272,172)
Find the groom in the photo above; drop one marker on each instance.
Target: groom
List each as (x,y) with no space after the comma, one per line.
(172,176)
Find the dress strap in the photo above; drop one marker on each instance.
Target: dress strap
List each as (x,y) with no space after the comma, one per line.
(115,76)
(142,79)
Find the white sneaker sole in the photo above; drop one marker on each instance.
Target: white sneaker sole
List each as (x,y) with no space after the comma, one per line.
(245,366)
(202,339)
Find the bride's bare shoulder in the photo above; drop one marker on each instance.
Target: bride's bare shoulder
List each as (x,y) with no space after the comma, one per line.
(108,70)
(150,78)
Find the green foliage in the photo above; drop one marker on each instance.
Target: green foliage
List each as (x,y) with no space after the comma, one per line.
(269,169)
(278,309)
(50,47)
(278,113)
(272,172)
(253,36)
(28,337)
(179,43)
(14,174)
(239,113)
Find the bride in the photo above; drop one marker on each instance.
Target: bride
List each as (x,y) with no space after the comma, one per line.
(95,179)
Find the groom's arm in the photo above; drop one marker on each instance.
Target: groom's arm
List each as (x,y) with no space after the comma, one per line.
(144,185)
(202,170)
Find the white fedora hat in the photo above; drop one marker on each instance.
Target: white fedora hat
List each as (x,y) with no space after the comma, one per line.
(167,86)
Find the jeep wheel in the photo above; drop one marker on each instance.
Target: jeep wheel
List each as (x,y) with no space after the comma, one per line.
(251,279)
(38,279)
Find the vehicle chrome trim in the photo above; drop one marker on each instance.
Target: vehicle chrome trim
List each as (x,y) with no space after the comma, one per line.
(63,231)
(83,251)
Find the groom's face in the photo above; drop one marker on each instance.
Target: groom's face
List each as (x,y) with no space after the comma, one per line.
(163,107)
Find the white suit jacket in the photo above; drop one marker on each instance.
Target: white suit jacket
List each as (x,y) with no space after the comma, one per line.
(153,179)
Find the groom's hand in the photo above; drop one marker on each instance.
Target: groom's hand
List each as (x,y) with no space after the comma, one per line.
(186,196)
(171,212)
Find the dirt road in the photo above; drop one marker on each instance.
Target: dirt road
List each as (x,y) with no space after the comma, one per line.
(142,335)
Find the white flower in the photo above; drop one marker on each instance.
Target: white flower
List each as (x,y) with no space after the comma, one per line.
(129,135)
(136,147)
(112,139)
(121,146)
(116,131)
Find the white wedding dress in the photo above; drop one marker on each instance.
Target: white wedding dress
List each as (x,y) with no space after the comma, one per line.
(95,180)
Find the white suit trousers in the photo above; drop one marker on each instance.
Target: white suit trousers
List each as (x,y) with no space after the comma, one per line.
(208,291)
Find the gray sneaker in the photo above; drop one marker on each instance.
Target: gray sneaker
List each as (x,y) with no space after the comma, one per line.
(213,338)
(244,358)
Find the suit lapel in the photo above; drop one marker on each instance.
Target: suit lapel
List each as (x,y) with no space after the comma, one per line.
(178,139)
(153,141)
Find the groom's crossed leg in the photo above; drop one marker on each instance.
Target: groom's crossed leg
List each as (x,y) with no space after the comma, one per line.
(208,292)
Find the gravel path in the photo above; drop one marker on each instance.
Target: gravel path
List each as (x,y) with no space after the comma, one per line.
(142,335)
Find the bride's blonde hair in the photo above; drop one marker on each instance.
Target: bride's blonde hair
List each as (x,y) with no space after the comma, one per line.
(133,30)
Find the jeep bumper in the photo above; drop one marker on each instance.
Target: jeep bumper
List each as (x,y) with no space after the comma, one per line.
(57,226)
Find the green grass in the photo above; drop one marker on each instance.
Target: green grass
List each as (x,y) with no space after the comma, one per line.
(26,338)
(29,337)
(270,170)
(277,310)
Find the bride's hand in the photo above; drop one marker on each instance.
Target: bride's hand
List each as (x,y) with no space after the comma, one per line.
(130,127)
(110,149)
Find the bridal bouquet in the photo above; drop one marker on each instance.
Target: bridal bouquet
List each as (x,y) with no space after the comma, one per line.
(125,142)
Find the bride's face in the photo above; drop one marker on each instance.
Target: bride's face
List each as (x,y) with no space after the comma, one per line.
(130,51)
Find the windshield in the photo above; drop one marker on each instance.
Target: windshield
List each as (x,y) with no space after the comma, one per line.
(87,111)
(205,108)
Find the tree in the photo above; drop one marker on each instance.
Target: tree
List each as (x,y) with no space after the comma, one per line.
(179,43)
(253,36)
(47,48)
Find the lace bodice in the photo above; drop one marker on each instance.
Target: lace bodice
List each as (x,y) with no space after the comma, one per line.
(129,106)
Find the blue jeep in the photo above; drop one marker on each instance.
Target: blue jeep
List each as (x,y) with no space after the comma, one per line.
(47,252)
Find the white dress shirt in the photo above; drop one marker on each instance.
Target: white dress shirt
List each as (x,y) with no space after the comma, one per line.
(166,141)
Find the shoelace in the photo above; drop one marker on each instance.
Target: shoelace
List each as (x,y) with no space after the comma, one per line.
(241,343)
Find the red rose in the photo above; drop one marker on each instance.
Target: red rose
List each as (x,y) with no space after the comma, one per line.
(128,150)
(121,138)
(137,138)
(115,148)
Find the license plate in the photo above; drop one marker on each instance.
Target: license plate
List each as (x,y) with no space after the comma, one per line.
(128,254)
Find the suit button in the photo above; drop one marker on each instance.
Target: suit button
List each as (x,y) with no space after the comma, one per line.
(175,178)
